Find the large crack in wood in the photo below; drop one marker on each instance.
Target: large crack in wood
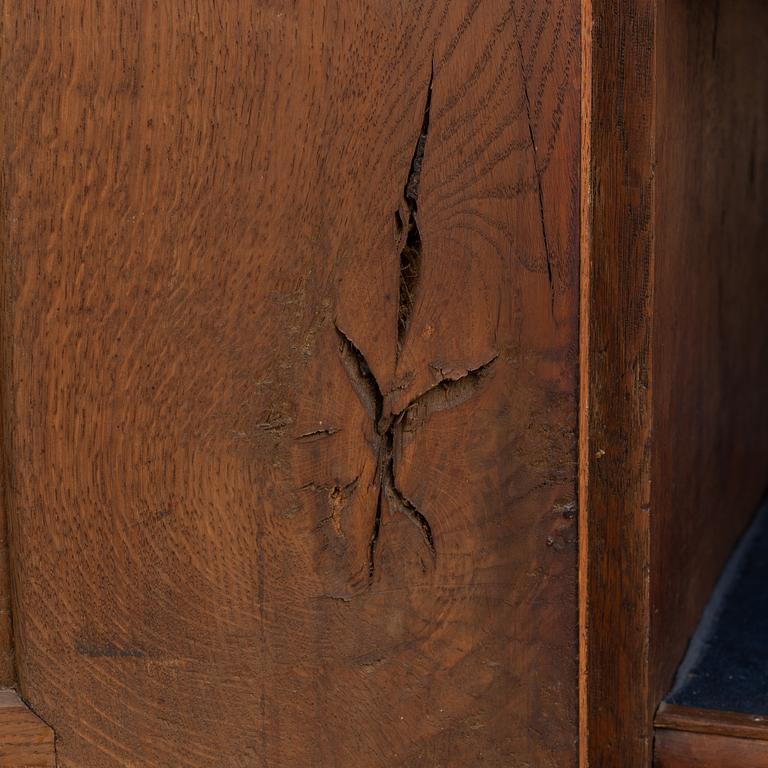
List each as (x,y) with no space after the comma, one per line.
(396,499)
(411,253)
(399,500)
(361,376)
(453,388)
(385,426)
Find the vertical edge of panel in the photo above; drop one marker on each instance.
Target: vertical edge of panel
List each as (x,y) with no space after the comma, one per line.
(585,241)
(618,91)
(6,636)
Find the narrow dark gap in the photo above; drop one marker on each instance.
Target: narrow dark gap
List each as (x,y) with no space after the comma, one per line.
(410,510)
(398,226)
(411,255)
(369,392)
(388,490)
(410,264)
(374,537)
(317,433)
(361,376)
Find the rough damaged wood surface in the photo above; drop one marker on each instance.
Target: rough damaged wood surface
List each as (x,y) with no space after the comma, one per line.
(25,741)
(289,339)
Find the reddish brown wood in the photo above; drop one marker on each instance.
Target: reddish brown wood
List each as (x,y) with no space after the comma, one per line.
(675,435)
(687,737)
(617,264)
(678,749)
(7,675)
(710,457)
(7,671)
(25,741)
(291,436)
(289,307)
(716,722)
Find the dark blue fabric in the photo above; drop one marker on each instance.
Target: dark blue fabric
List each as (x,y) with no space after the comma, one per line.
(727,667)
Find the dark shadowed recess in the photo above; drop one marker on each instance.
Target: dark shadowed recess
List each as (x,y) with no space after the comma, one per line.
(726,666)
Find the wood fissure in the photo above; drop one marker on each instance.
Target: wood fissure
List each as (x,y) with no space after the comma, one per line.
(385,426)
(411,253)
(314,434)
(447,393)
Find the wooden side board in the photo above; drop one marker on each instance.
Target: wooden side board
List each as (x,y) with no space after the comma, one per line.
(674,440)
(617,287)
(25,740)
(290,371)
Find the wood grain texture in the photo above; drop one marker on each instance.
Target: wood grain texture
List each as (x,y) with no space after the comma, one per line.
(678,749)
(710,458)
(25,741)
(290,331)
(716,722)
(617,265)
(673,455)
(7,671)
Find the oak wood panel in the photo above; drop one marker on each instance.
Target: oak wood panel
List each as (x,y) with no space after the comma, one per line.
(680,749)
(25,741)
(617,294)
(291,378)
(717,722)
(710,457)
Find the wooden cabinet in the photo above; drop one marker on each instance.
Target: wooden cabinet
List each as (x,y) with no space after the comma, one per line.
(381,382)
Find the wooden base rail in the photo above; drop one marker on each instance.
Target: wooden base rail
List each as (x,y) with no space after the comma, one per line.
(687,737)
(25,740)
